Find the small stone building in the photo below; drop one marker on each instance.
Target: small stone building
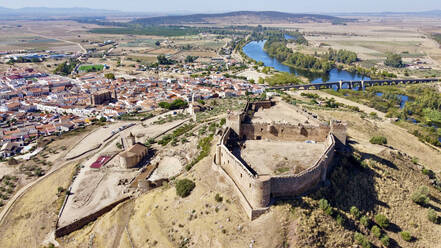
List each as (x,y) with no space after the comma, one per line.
(133,156)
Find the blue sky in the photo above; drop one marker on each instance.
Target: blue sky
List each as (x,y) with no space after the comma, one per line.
(227,5)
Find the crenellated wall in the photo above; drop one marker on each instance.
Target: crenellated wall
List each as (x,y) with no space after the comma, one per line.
(283,132)
(256,191)
(286,186)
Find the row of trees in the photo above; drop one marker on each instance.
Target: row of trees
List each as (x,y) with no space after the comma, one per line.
(277,48)
(341,56)
(176,104)
(66,68)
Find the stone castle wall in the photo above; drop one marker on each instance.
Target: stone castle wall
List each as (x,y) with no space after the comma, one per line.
(78,224)
(283,132)
(256,191)
(286,186)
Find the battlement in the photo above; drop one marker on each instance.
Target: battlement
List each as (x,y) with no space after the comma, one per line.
(246,152)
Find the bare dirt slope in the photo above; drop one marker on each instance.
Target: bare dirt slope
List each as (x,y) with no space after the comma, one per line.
(35,214)
(161,219)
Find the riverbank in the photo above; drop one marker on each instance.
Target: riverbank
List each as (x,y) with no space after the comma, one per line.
(255,51)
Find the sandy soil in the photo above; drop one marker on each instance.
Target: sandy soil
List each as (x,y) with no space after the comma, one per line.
(281,157)
(168,167)
(161,219)
(342,100)
(6,169)
(283,112)
(95,139)
(94,189)
(253,74)
(35,214)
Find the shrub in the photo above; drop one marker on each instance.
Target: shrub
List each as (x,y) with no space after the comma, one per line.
(60,190)
(184,187)
(362,240)
(428,173)
(421,196)
(406,236)
(373,115)
(355,212)
(340,220)
(364,221)
(432,216)
(376,231)
(381,220)
(325,206)
(218,198)
(385,240)
(378,140)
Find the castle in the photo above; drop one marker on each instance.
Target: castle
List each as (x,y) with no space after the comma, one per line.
(266,159)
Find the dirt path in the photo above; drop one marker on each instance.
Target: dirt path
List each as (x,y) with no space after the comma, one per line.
(62,40)
(342,100)
(125,212)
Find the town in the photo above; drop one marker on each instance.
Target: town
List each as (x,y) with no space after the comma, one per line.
(173,124)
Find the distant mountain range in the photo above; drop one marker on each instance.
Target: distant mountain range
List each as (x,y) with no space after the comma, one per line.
(239,17)
(428,13)
(42,11)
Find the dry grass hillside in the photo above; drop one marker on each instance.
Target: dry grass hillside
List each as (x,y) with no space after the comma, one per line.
(375,179)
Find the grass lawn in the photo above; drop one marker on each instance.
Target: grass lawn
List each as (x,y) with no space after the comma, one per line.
(91,68)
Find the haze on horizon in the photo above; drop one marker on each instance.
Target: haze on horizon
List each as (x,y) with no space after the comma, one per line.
(295,6)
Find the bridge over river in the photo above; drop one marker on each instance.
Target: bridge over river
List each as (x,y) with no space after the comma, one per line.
(355,84)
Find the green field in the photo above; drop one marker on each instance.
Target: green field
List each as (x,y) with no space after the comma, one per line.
(91,68)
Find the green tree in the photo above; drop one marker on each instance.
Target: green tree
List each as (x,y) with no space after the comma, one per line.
(406,236)
(393,60)
(162,60)
(110,76)
(432,216)
(421,196)
(378,140)
(385,240)
(382,220)
(376,231)
(184,187)
(355,212)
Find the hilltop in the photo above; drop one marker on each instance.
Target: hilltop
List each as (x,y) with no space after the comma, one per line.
(239,17)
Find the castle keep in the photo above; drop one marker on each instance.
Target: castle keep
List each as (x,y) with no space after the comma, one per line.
(272,150)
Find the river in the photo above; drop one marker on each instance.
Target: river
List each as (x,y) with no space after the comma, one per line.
(255,50)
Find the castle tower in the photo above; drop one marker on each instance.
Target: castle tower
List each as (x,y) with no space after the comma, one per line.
(114,96)
(130,141)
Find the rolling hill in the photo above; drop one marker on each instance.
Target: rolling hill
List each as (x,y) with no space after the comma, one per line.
(239,17)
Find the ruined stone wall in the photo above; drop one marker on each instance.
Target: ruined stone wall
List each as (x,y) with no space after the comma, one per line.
(249,210)
(283,132)
(78,224)
(288,186)
(256,191)
(260,104)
